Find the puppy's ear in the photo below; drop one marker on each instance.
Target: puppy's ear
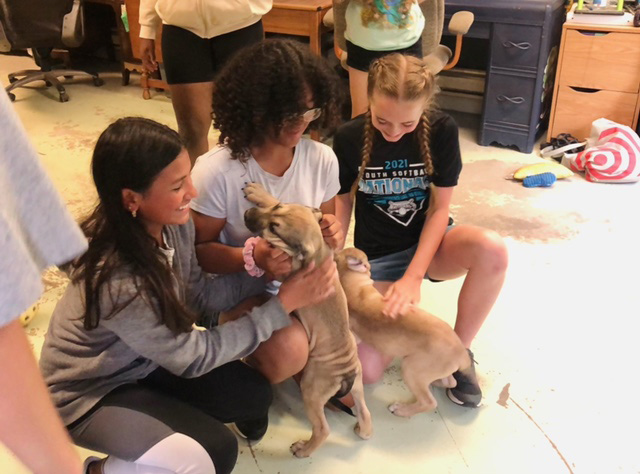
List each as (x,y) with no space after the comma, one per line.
(356,265)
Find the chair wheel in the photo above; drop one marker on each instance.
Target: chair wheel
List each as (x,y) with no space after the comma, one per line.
(98,82)
(12,96)
(64,97)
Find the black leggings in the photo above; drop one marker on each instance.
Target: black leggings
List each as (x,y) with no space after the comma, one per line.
(134,417)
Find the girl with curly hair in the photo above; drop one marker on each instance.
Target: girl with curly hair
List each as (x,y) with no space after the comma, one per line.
(129,374)
(265,99)
(401,161)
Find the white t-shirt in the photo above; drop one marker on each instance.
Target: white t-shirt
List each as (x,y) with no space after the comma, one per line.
(311,180)
(36,230)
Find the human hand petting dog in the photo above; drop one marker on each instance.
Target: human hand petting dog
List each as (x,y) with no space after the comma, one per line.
(275,262)
(309,286)
(331,231)
(401,295)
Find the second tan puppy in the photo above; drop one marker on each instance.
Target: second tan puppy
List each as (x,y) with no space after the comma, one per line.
(429,348)
(333,367)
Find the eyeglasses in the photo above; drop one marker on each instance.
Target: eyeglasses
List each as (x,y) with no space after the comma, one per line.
(308,116)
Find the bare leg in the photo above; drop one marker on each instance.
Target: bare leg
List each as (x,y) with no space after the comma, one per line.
(281,356)
(482,255)
(358,91)
(192,106)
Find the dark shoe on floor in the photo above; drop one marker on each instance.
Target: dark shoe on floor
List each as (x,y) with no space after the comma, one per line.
(93,465)
(467,392)
(252,430)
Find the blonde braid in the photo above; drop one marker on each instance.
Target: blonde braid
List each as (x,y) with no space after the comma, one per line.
(367,139)
(424,133)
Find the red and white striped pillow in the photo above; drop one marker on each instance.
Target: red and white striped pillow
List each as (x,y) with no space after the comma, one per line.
(612,155)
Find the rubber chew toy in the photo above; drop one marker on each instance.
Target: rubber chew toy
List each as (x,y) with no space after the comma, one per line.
(556,169)
(542,180)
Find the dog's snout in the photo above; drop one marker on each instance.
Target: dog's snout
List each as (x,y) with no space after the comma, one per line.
(251,219)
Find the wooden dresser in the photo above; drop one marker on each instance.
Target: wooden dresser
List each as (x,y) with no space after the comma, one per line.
(598,76)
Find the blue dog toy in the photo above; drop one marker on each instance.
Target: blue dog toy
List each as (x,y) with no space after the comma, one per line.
(542,180)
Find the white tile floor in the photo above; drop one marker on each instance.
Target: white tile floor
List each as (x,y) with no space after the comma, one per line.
(556,357)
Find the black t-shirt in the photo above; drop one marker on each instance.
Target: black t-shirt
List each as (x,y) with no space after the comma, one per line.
(393,195)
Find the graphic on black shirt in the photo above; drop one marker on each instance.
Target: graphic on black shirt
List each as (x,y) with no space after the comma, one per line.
(394,191)
(397,189)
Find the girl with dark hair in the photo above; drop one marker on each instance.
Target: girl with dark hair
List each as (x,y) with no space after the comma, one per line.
(401,160)
(129,373)
(266,97)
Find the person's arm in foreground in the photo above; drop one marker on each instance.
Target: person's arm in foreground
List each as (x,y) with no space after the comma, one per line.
(29,424)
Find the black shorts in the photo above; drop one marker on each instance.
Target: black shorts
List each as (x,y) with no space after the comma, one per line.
(188,58)
(360,58)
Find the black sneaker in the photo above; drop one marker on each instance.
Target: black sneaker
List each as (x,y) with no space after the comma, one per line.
(467,392)
(252,430)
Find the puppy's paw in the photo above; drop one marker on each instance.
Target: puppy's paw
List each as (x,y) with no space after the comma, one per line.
(400,409)
(363,433)
(255,193)
(298,449)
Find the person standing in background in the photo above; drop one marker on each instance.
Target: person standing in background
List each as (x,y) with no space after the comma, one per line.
(36,231)
(375,28)
(198,37)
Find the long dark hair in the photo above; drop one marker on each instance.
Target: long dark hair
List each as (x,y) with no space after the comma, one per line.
(266,84)
(129,154)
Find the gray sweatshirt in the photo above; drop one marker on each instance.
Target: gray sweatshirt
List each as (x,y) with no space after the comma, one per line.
(80,366)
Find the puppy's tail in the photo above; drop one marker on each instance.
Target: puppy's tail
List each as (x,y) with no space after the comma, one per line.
(335,401)
(345,387)
(346,384)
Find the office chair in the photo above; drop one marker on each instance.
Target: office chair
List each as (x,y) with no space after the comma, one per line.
(438,57)
(42,25)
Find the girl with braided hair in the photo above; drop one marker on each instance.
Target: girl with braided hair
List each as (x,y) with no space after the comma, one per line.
(401,162)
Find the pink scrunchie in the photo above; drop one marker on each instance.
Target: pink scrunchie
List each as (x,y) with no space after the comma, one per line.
(247,255)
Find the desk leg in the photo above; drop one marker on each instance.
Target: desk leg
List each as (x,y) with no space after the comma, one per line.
(315,32)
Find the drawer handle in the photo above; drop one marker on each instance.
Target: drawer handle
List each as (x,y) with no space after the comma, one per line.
(513,100)
(523,46)
(593,33)
(586,90)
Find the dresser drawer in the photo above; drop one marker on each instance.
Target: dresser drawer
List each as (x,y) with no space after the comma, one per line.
(600,60)
(509,99)
(515,46)
(575,110)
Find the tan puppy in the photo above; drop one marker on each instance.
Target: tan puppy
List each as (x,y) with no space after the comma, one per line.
(429,348)
(333,367)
